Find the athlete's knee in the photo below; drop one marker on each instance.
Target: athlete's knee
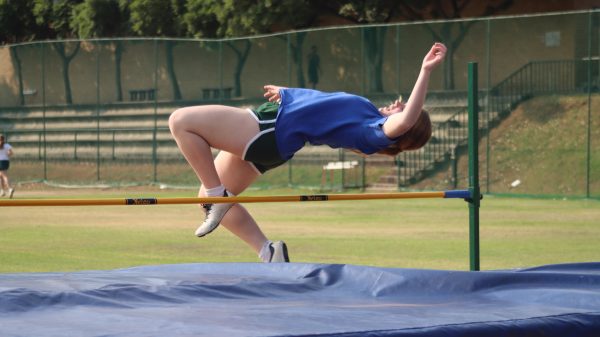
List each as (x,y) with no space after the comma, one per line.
(188,118)
(177,120)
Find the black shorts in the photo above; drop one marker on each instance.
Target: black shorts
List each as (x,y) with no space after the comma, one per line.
(262,150)
(4,165)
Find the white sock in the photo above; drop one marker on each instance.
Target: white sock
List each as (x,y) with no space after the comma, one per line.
(215,191)
(265,251)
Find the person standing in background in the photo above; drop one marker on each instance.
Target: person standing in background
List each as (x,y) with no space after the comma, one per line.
(5,153)
(314,67)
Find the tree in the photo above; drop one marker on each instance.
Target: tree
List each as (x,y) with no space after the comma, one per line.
(384,11)
(451,33)
(104,18)
(274,16)
(205,19)
(368,12)
(229,18)
(160,18)
(17,24)
(56,16)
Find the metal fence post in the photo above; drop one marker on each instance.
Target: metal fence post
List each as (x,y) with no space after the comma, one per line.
(589,105)
(98,111)
(154,150)
(473,167)
(44,109)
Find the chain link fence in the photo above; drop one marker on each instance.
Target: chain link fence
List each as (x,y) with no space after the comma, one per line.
(93,112)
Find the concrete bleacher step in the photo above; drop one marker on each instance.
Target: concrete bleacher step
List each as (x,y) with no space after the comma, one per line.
(64,135)
(73,119)
(86,123)
(80,114)
(106,152)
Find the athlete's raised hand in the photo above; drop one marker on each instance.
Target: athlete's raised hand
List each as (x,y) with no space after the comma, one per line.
(272,92)
(434,57)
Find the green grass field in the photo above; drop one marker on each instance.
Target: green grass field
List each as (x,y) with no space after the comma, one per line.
(426,233)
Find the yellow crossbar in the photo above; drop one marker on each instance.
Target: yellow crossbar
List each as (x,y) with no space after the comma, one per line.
(215,200)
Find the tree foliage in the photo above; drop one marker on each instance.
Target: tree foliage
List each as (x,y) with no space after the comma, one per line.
(101,18)
(17,21)
(24,20)
(157,17)
(55,17)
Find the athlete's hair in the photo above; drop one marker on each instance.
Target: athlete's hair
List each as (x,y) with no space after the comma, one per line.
(413,139)
(2,141)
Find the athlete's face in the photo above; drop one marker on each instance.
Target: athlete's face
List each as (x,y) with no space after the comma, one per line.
(395,107)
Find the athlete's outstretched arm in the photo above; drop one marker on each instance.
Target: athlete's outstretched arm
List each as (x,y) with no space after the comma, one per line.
(398,123)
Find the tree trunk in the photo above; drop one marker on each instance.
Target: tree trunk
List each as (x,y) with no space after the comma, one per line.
(446,33)
(242,56)
(374,51)
(118,57)
(297,57)
(170,45)
(66,81)
(17,60)
(66,61)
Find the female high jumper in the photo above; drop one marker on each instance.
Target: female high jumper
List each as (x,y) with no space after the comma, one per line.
(252,142)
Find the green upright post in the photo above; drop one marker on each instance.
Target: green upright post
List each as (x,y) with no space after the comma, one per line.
(474,201)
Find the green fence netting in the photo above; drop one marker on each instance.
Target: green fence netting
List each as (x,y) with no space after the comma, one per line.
(93,112)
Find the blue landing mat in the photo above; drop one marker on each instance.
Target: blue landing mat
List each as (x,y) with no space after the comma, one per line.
(248,299)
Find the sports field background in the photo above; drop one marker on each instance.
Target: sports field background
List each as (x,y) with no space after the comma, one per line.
(427,233)
(548,142)
(516,231)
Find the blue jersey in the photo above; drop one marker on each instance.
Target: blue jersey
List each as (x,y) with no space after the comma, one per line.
(339,120)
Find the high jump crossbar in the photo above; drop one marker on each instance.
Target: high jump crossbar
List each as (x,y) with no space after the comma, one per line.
(462,194)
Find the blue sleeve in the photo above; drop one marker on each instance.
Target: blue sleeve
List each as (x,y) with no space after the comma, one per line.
(374,137)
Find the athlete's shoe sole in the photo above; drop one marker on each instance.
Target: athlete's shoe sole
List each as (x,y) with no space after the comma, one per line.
(279,252)
(214,215)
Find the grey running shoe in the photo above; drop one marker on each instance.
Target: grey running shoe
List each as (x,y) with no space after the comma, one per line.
(279,252)
(214,215)
(11,192)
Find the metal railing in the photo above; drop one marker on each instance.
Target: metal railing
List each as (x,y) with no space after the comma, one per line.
(532,79)
(541,78)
